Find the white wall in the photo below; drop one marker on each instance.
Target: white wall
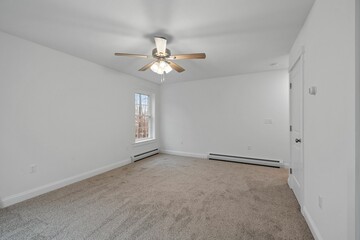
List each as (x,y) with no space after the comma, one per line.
(329,118)
(66,115)
(226,115)
(357,92)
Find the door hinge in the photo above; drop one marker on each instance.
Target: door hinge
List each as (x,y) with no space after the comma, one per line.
(290,170)
(290,128)
(290,85)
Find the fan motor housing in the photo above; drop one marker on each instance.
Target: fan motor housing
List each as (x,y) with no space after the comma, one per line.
(157,55)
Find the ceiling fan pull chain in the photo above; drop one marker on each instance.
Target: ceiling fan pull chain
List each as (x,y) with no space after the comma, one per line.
(162,77)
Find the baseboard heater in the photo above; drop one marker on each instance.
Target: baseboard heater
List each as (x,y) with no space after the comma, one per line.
(247,160)
(140,156)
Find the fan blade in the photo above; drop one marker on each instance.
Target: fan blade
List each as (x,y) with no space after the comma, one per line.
(188,56)
(160,43)
(176,67)
(131,55)
(147,66)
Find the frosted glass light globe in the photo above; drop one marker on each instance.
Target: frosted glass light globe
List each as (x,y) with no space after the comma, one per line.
(161,67)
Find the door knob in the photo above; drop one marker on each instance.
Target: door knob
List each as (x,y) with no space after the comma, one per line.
(298,140)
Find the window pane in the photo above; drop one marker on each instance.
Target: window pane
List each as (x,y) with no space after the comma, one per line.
(144,99)
(137,99)
(144,110)
(142,119)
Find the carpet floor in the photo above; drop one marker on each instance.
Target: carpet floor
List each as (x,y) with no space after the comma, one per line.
(164,197)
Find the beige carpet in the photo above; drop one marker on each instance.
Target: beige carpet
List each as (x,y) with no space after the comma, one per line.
(164,197)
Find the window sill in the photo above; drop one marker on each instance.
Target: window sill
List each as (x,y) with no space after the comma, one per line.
(144,142)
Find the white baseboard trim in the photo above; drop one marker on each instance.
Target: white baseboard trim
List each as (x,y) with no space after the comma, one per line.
(309,220)
(313,228)
(16,198)
(290,181)
(286,165)
(184,154)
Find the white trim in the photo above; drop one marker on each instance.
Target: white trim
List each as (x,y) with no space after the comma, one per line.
(290,181)
(19,197)
(298,55)
(145,142)
(310,221)
(285,165)
(357,126)
(184,154)
(200,155)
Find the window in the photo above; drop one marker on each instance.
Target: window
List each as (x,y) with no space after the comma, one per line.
(143,118)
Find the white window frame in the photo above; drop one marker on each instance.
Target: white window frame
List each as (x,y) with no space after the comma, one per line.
(152,136)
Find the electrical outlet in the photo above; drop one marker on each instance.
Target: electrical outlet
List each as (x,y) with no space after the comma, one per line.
(33,168)
(320,202)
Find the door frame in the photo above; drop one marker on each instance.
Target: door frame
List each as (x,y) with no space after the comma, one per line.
(298,60)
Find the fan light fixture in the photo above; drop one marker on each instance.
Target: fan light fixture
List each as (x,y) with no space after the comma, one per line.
(161,67)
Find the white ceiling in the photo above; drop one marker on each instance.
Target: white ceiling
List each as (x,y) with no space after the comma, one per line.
(238,36)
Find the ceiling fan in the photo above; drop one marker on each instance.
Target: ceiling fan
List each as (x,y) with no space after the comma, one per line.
(162,56)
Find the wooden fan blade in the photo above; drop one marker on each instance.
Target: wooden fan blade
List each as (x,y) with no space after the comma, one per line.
(188,56)
(131,55)
(147,66)
(160,43)
(176,67)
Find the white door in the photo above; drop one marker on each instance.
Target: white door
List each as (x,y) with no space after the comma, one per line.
(296,128)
